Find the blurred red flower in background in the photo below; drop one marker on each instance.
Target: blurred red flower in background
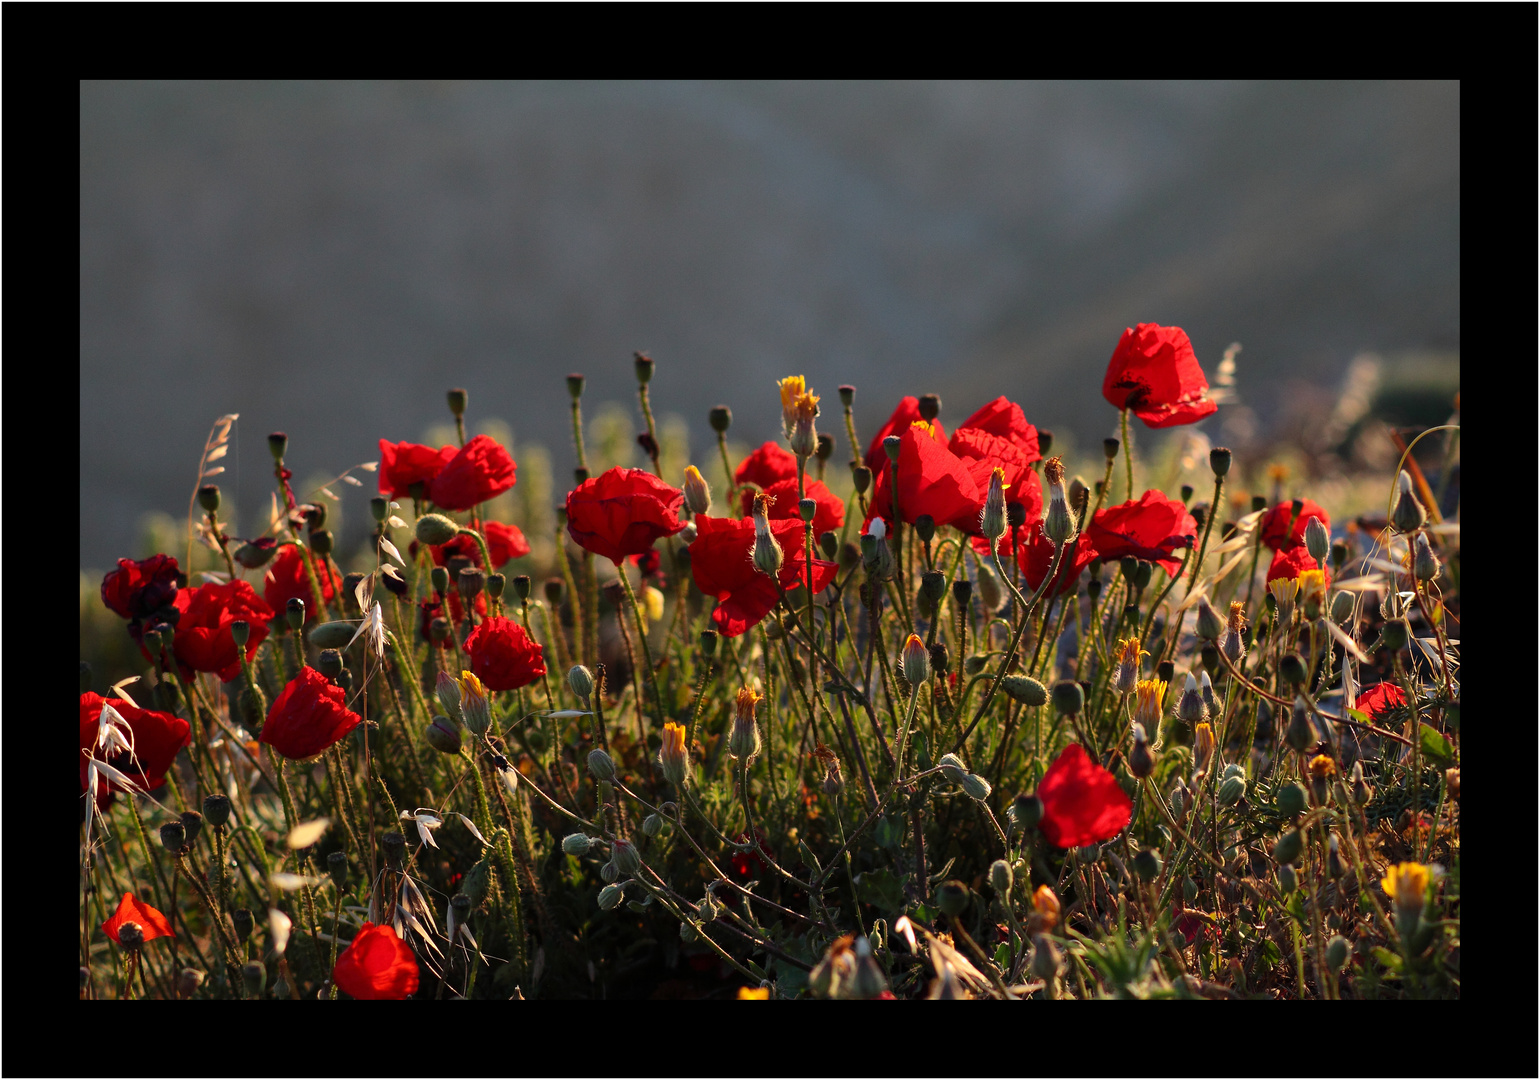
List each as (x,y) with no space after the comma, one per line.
(770,464)
(1154,372)
(1276,533)
(287,580)
(481,470)
(829,515)
(309,716)
(504,543)
(138,589)
(377,966)
(622,512)
(1292,562)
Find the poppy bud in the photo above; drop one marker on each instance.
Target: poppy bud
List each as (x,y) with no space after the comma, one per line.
(576,843)
(916,660)
(1338,949)
(627,861)
(242,922)
(975,787)
(216,810)
(1210,625)
(652,825)
(1015,515)
(1288,848)
(277,444)
(1231,790)
(1027,690)
(443,735)
(1186,494)
(580,681)
(1025,812)
(173,837)
(337,867)
(496,583)
(294,612)
(1046,959)
(609,872)
(1068,697)
(601,765)
(861,477)
(952,897)
(1000,877)
(697,493)
(1291,799)
(610,897)
(1219,460)
(829,545)
(930,407)
(1342,608)
(329,663)
(1291,669)
(1140,761)
(332,635)
(644,368)
(890,446)
(993,518)
(1425,565)
(1147,864)
(436,529)
(457,402)
(932,587)
(1409,514)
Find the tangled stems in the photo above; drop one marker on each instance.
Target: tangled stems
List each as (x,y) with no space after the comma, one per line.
(641,632)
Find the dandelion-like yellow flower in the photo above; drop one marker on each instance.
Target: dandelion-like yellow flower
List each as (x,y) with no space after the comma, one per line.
(1046,904)
(1284,590)
(1312,585)
(1322,767)
(672,757)
(743,742)
(1407,884)
(750,993)
(1202,744)
(1128,653)
(792,387)
(1237,617)
(475,703)
(1148,695)
(1278,472)
(697,493)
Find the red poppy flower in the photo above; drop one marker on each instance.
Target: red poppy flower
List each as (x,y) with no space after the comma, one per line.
(649,563)
(1276,533)
(482,470)
(1292,562)
(428,610)
(1154,372)
(829,515)
(203,640)
(770,464)
(138,589)
(377,966)
(1040,557)
(158,737)
(405,464)
(1082,802)
(1380,697)
(1149,529)
(902,420)
(287,580)
(745,863)
(622,512)
(982,453)
(310,716)
(131,910)
(503,656)
(504,543)
(931,480)
(1004,418)
(721,562)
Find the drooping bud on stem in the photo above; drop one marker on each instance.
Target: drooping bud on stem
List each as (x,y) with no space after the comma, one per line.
(1409,514)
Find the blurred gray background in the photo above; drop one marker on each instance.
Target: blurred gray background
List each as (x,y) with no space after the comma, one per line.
(328,258)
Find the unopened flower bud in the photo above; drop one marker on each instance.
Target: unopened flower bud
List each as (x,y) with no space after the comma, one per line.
(890,446)
(1030,692)
(975,787)
(992,519)
(575,385)
(847,395)
(1068,697)
(652,825)
(1291,669)
(1288,848)
(623,852)
(1317,539)
(1110,448)
(444,735)
(916,660)
(861,477)
(952,897)
(580,681)
(242,921)
(1046,959)
(1338,949)
(277,445)
(1206,691)
(1395,635)
(1409,514)
(294,612)
(1141,762)
(673,758)
(1147,864)
(611,895)
(1231,790)
(436,529)
(329,663)
(1219,460)
(829,545)
(1000,877)
(697,493)
(767,556)
(475,704)
(1025,812)
(1190,708)
(1300,734)
(321,542)
(1210,625)
(1186,493)
(645,365)
(1425,565)
(457,402)
(601,765)
(1342,608)
(208,498)
(576,843)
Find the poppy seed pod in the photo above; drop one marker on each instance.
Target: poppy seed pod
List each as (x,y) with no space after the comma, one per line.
(434,529)
(891,446)
(952,897)
(192,825)
(962,593)
(208,498)
(1409,514)
(1025,812)
(337,867)
(806,508)
(925,528)
(1219,460)
(847,395)
(645,365)
(496,583)
(173,837)
(861,477)
(829,545)
(1187,492)
(1110,448)
(216,810)
(294,613)
(329,663)
(1068,697)
(575,385)
(708,643)
(825,449)
(930,407)
(940,658)
(277,445)
(521,586)
(1147,864)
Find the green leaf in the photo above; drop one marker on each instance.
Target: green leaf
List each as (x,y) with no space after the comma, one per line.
(1296,906)
(882,889)
(1362,718)
(1388,960)
(1003,956)
(888,833)
(1435,745)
